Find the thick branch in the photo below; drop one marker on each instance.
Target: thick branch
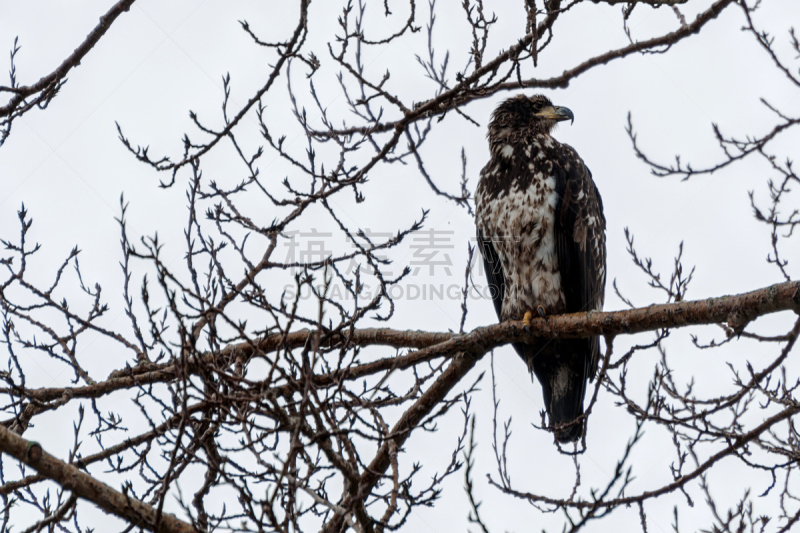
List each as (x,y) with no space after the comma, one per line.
(85,486)
(713,310)
(735,310)
(413,416)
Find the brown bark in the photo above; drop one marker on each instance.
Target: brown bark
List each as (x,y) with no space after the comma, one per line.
(735,310)
(85,486)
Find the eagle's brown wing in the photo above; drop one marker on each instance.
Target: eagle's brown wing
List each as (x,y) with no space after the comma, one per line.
(580,243)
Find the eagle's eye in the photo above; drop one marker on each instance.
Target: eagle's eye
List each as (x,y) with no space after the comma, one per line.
(537,106)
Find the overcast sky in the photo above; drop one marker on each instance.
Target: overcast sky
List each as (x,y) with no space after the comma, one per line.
(162,59)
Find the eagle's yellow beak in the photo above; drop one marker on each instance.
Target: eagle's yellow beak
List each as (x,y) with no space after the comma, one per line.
(556,113)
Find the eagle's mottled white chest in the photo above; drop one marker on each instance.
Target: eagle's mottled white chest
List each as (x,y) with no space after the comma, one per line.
(519,218)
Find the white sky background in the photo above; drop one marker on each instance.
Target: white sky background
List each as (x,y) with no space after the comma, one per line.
(162,59)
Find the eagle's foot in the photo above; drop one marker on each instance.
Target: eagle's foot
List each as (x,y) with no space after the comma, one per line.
(542,310)
(526,321)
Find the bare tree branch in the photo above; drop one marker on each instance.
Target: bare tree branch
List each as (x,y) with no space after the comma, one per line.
(49,85)
(87,487)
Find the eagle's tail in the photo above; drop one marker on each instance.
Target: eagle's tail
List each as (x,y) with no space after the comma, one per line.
(561,368)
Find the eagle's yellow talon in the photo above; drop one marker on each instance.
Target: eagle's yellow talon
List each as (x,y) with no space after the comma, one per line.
(542,311)
(526,321)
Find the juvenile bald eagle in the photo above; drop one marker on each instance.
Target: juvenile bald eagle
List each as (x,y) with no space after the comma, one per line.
(541,231)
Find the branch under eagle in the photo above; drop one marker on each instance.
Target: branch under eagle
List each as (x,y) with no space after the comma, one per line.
(467,348)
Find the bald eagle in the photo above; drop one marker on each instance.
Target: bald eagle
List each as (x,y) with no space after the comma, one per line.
(541,231)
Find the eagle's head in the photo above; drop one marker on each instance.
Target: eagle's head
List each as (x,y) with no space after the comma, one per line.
(522,117)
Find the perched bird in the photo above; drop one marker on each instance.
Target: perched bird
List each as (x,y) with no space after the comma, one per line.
(541,231)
